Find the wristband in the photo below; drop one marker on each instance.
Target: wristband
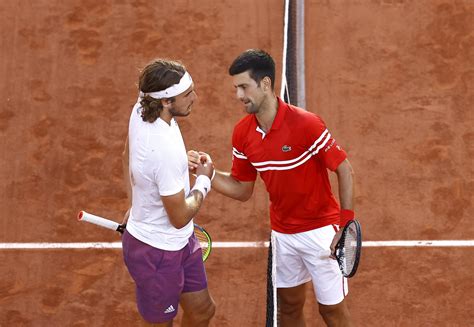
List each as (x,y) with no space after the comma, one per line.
(345,217)
(212,177)
(203,185)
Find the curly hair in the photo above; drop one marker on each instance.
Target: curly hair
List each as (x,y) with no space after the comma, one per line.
(158,75)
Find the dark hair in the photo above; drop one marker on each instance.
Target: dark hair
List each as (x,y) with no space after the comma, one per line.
(158,75)
(258,62)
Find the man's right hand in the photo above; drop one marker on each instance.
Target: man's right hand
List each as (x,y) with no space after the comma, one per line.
(123,225)
(193,160)
(205,167)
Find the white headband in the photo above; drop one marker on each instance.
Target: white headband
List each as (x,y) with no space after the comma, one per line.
(184,83)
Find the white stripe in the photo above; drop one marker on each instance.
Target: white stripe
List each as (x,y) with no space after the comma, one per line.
(322,145)
(238,154)
(301,162)
(283,162)
(438,243)
(237,151)
(285,167)
(259,244)
(37,246)
(320,138)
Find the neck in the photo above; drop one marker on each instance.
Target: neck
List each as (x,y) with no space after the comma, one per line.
(166,116)
(266,114)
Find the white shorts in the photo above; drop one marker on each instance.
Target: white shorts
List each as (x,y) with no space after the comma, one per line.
(300,258)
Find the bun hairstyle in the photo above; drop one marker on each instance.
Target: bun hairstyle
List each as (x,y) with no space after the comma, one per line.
(157,76)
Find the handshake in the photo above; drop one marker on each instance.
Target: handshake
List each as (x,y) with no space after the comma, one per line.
(200,163)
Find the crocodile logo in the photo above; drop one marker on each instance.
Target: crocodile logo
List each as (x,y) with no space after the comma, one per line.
(286,148)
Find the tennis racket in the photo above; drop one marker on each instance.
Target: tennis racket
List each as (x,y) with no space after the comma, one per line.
(204,239)
(348,248)
(201,234)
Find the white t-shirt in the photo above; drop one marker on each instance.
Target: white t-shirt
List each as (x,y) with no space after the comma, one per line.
(158,167)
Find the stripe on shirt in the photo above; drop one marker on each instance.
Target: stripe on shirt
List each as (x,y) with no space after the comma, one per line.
(238,154)
(292,163)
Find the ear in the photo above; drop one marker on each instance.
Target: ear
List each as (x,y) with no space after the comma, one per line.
(165,102)
(266,83)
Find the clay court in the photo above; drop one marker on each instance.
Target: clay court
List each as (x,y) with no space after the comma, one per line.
(393,80)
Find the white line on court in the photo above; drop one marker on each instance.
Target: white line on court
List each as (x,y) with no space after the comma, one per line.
(261,244)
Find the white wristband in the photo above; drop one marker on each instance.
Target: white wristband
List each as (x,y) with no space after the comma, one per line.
(202,184)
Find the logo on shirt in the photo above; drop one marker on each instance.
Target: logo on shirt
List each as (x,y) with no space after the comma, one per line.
(170,309)
(286,148)
(329,146)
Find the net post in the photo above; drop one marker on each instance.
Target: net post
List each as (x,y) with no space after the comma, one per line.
(300,55)
(293,68)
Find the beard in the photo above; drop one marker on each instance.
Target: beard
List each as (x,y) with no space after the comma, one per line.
(177,113)
(252,108)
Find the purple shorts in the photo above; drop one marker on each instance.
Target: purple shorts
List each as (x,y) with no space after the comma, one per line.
(161,276)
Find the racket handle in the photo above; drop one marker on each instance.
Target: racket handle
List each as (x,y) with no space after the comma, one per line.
(90,218)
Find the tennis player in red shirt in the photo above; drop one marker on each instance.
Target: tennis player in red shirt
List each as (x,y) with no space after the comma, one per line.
(292,150)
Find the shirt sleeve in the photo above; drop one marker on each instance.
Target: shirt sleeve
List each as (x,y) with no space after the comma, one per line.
(324,147)
(168,173)
(242,169)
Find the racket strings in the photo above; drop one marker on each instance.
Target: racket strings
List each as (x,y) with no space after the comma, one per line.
(350,248)
(204,241)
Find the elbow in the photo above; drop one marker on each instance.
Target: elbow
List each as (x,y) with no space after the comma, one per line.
(345,169)
(178,219)
(244,197)
(177,223)
(178,226)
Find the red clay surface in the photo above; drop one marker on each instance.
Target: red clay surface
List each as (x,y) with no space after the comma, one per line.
(392,79)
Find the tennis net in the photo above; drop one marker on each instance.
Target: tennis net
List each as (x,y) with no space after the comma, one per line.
(292,90)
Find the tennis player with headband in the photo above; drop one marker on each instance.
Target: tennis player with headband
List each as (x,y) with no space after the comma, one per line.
(292,150)
(159,247)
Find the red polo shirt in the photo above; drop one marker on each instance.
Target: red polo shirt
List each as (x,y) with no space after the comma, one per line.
(292,159)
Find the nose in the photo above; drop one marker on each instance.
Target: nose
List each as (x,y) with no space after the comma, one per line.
(240,93)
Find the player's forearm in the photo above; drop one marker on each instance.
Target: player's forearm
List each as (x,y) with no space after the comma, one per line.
(345,175)
(225,184)
(180,217)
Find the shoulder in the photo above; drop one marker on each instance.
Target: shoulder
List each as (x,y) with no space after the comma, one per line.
(303,117)
(244,125)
